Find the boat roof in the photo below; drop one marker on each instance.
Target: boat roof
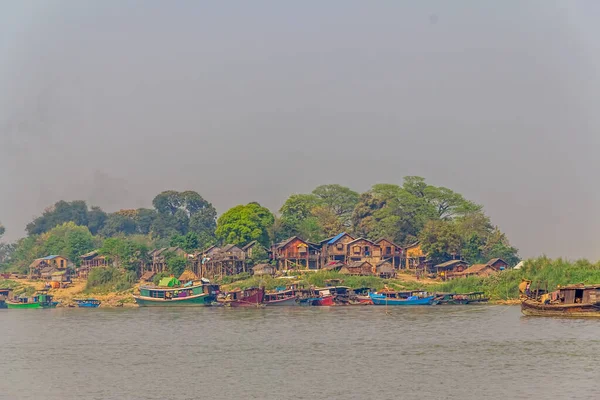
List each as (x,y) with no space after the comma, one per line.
(153,287)
(580,286)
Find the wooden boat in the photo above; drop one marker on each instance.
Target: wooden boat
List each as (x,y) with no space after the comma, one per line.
(394,298)
(251,297)
(4,294)
(88,303)
(568,301)
(361,296)
(40,300)
(171,293)
(461,298)
(281,298)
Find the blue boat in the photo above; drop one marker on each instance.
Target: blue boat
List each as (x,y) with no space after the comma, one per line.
(401,299)
(88,303)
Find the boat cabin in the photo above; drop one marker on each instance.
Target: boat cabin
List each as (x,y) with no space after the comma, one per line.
(575,294)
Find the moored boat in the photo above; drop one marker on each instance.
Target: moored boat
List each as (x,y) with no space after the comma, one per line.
(568,301)
(281,298)
(394,298)
(4,294)
(461,298)
(40,300)
(170,293)
(251,297)
(87,303)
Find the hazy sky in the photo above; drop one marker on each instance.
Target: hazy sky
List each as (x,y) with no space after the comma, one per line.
(113,102)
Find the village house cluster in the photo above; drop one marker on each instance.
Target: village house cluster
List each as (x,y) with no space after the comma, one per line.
(343,253)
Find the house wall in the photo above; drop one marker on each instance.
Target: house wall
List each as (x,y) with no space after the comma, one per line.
(338,250)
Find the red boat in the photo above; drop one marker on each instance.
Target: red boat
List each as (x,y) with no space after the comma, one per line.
(325,297)
(251,297)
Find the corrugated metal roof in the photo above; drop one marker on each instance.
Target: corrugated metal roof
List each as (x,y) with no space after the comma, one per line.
(49,257)
(336,238)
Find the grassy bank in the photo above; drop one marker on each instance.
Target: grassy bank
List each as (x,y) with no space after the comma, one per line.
(499,287)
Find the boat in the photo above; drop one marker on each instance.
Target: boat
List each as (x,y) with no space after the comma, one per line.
(40,300)
(251,297)
(286,297)
(394,298)
(87,303)
(461,298)
(324,297)
(568,301)
(170,293)
(361,296)
(4,294)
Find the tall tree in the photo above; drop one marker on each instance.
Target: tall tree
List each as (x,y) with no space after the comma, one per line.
(68,240)
(441,241)
(61,212)
(119,223)
(2,230)
(124,252)
(244,223)
(184,212)
(339,199)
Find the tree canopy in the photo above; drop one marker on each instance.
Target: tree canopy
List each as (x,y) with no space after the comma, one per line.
(244,223)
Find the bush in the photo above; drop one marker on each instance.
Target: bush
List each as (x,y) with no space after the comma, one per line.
(103,280)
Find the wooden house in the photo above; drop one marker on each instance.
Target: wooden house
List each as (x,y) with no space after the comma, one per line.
(477,270)
(414,256)
(250,248)
(263,269)
(55,262)
(362,249)
(296,253)
(335,248)
(384,269)
(390,252)
(158,256)
(498,264)
(448,269)
(333,266)
(228,260)
(89,261)
(363,268)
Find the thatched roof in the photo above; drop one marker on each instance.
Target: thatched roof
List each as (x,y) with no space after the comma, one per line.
(333,267)
(385,268)
(148,275)
(187,276)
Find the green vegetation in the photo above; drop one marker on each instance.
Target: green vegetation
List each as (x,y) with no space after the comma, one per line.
(243,224)
(447,224)
(106,280)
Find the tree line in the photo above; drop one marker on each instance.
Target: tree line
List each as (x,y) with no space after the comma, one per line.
(446,224)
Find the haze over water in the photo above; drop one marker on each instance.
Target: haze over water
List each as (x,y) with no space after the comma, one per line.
(472,352)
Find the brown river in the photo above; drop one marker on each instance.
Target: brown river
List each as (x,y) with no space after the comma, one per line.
(444,352)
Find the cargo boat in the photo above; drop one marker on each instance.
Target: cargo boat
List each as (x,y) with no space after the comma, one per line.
(170,293)
(568,301)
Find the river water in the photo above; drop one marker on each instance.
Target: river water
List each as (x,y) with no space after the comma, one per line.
(445,352)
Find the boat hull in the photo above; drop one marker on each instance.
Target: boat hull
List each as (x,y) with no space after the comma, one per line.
(537,309)
(190,301)
(88,305)
(291,301)
(383,301)
(325,301)
(22,306)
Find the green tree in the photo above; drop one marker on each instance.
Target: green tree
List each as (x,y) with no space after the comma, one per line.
(2,230)
(182,212)
(175,263)
(441,241)
(118,224)
(189,242)
(244,223)
(61,212)
(124,252)
(144,219)
(339,199)
(68,240)
(259,256)
(96,219)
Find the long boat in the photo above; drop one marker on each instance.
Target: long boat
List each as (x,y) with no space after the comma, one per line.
(41,300)
(393,298)
(201,294)
(281,298)
(4,294)
(461,298)
(88,303)
(251,297)
(568,301)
